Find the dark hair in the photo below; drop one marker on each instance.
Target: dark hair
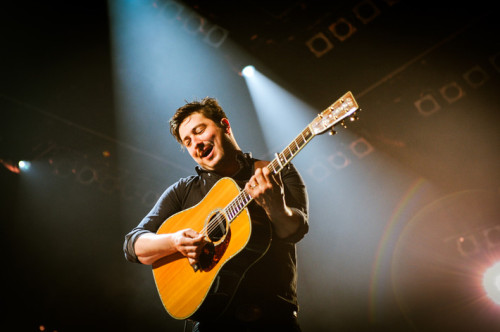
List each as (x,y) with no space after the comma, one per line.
(209,107)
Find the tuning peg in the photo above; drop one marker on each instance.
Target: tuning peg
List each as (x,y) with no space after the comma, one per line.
(354,117)
(332,132)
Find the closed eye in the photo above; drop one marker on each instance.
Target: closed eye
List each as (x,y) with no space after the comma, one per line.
(199,130)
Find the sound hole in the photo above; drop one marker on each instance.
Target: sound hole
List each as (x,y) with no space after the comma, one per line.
(217,227)
(219,235)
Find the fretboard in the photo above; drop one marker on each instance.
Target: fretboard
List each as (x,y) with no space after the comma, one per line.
(236,206)
(282,159)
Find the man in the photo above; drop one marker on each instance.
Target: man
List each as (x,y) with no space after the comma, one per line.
(267,296)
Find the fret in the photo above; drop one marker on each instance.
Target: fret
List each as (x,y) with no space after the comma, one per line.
(229,212)
(280,161)
(296,149)
(308,134)
(274,169)
(290,155)
(303,138)
(283,159)
(237,205)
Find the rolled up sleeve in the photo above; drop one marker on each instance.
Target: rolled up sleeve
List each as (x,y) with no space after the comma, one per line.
(167,205)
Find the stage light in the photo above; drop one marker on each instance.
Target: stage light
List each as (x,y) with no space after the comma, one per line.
(366,11)
(86,175)
(248,71)
(319,44)
(339,160)
(24,165)
(475,76)
(452,92)
(216,36)
(194,23)
(491,282)
(361,147)
(171,11)
(427,105)
(342,29)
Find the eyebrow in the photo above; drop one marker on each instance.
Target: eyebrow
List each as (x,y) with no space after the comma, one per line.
(193,130)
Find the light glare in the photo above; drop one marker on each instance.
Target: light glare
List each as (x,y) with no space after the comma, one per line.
(24,165)
(248,71)
(491,282)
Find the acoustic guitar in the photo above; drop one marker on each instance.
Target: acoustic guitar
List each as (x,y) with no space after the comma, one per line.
(203,291)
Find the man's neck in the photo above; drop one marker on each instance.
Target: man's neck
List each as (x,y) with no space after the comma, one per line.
(231,164)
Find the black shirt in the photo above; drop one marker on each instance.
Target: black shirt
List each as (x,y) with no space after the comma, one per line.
(272,281)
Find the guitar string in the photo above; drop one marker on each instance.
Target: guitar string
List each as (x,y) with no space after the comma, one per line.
(213,224)
(237,205)
(282,160)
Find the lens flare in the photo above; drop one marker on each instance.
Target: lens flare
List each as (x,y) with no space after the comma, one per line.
(491,282)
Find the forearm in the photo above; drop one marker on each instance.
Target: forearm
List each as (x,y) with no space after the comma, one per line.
(150,247)
(286,222)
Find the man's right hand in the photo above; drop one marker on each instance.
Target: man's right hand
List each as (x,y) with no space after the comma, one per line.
(189,243)
(150,247)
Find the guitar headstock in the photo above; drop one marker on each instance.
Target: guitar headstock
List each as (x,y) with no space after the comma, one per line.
(343,108)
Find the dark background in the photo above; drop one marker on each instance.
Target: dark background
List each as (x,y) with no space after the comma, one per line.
(404,203)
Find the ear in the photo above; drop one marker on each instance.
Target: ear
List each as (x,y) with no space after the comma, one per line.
(226,125)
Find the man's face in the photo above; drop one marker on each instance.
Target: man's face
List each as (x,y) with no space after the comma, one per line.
(204,140)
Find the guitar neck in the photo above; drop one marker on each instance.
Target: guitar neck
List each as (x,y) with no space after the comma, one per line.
(344,107)
(282,159)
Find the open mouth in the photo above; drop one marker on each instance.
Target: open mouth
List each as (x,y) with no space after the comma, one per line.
(206,152)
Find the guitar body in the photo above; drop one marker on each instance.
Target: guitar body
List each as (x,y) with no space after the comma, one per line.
(204,292)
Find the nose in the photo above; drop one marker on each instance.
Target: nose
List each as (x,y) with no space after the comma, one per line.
(198,144)
(195,140)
